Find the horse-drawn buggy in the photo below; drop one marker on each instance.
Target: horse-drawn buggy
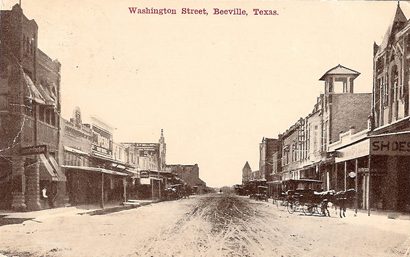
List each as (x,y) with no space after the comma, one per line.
(307,196)
(260,194)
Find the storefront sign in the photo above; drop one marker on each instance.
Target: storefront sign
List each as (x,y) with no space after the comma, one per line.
(102,140)
(33,150)
(392,145)
(363,170)
(145,181)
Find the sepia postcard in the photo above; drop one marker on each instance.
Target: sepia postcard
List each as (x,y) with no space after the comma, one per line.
(204,128)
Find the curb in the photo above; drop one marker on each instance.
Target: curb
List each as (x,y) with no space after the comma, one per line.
(115,209)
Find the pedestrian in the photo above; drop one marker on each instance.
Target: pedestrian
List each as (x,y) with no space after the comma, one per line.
(44,196)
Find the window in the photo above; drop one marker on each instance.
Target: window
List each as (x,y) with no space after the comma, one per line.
(385,92)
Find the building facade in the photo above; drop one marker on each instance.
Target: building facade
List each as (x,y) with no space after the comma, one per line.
(190,175)
(305,145)
(267,148)
(390,136)
(29,115)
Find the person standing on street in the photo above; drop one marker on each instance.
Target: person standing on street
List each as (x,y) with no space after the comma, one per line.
(44,196)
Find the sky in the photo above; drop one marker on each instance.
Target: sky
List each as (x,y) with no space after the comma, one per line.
(216,84)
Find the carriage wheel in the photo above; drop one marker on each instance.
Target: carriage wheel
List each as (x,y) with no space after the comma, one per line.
(291,207)
(310,210)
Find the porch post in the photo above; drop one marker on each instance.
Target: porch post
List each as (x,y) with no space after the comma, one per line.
(159,187)
(345,180)
(102,191)
(124,182)
(368,185)
(356,183)
(335,176)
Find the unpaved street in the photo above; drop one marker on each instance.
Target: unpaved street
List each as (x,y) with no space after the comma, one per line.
(213,225)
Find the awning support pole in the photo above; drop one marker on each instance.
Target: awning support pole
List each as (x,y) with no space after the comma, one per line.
(159,187)
(152,189)
(368,186)
(124,182)
(356,183)
(102,190)
(345,182)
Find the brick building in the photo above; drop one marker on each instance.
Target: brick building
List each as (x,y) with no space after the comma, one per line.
(190,175)
(390,137)
(29,115)
(305,145)
(267,148)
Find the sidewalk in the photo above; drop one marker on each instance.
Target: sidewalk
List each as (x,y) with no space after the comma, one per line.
(378,213)
(73,210)
(387,214)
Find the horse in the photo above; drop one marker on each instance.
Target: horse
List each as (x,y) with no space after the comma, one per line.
(343,198)
(325,197)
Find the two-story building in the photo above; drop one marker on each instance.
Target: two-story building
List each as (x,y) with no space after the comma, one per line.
(29,115)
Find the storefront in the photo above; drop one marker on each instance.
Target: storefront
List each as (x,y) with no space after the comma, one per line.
(91,185)
(377,167)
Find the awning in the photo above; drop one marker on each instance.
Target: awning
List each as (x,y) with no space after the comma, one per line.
(106,158)
(133,173)
(49,169)
(46,94)
(34,94)
(101,170)
(73,150)
(57,169)
(354,151)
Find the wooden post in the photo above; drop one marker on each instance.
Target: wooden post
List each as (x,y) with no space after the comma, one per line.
(102,191)
(159,187)
(335,176)
(152,188)
(345,181)
(356,181)
(124,182)
(368,185)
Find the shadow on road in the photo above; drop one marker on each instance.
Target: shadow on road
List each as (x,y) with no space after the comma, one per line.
(10,221)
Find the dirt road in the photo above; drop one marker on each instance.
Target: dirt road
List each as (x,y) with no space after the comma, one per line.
(214,225)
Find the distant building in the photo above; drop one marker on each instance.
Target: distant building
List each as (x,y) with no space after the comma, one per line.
(189,174)
(149,156)
(267,148)
(246,173)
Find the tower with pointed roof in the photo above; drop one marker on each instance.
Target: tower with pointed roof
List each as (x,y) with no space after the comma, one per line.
(162,150)
(339,76)
(246,173)
(391,119)
(391,64)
